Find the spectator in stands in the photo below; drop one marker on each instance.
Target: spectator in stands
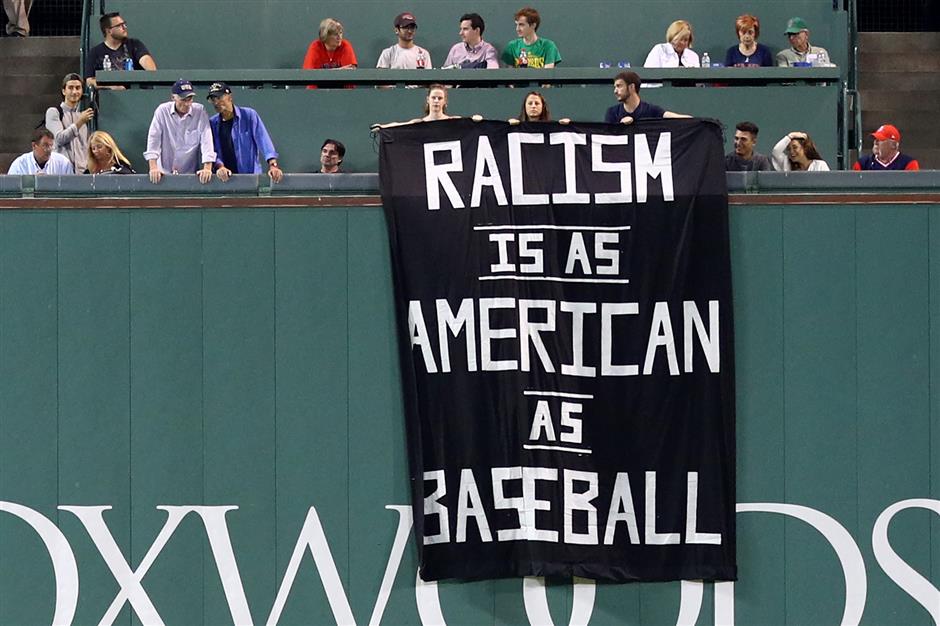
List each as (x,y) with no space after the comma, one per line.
(69,125)
(677,50)
(118,48)
(435,109)
(239,137)
(41,159)
(800,51)
(435,105)
(629,107)
(886,152)
(535,109)
(744,158)
(330,51)
(797,152)
(104,156)
(472,52)
(18,17)
(748,53)
(405,55)
(530,50)
(332,153)
(180,137)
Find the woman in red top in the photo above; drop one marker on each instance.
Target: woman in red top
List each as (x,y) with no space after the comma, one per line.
(330,51)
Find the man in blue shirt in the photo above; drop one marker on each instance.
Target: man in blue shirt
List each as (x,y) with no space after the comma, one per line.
(239,137)
(629,107)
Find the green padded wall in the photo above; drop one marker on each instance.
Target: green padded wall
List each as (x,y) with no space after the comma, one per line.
(246,357)
(299,119)
(257,34)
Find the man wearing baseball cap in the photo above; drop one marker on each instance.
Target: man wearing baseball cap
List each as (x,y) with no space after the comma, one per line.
(405,55)
(239,137)
(800,51)
(179,138)
(886,152)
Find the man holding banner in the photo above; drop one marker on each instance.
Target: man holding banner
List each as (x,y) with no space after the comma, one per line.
(568,365)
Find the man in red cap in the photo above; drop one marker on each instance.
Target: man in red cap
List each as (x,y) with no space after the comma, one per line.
(405,55)
(885,152)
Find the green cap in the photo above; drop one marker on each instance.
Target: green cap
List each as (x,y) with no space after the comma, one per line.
(795,25)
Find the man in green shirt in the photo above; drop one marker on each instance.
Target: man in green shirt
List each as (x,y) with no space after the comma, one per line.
(530,50)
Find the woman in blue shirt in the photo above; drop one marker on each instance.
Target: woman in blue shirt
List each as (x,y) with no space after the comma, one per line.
(748,53)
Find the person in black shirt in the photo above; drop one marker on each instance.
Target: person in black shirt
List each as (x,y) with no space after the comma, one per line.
(119,49)
(629,107)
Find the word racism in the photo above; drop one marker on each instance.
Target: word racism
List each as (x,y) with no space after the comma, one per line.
(564,302)
(487,174)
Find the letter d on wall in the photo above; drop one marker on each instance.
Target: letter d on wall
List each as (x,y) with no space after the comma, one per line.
(63,560)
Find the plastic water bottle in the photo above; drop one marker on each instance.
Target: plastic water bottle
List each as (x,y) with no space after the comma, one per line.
(107,63)
(523,58)
(706,60)
(604,65)
(623,64)
(128,64)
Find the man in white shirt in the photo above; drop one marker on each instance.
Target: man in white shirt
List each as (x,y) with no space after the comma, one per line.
(41,159)
(405,55)
(180,137)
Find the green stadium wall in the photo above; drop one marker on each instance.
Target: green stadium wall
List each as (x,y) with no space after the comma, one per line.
(300,119)
(271,34)
(246,358)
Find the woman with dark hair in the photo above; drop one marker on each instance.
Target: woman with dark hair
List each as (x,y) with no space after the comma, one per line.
(796,152)
(535,109)
(748,53)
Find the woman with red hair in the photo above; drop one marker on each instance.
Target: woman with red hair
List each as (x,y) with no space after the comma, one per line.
(748,53)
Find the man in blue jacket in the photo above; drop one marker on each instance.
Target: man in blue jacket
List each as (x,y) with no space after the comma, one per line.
(240,137)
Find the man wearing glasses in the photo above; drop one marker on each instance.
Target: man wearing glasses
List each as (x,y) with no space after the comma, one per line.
(122,52)
(405,55)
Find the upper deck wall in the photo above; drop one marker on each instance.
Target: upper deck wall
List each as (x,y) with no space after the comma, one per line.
(247,34)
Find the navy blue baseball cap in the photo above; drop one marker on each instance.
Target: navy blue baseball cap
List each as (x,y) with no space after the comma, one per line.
(183,89)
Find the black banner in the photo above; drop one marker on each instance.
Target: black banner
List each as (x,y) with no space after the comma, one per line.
(564,299)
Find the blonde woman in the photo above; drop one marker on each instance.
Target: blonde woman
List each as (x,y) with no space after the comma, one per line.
(330,51)
(104,156)
(677,50)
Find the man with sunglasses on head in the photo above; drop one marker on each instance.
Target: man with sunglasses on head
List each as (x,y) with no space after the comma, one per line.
(122,52)
(405,55)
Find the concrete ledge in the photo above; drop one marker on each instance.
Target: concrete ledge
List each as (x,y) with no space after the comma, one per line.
(859,185)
